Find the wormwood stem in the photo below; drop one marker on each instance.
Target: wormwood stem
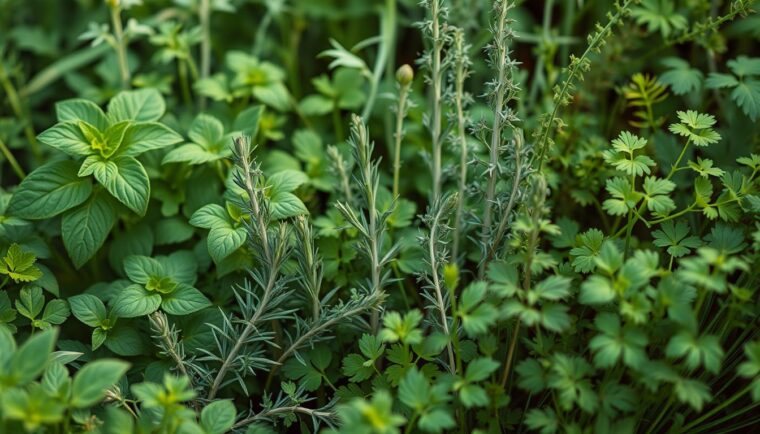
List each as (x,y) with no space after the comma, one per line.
(504,92)
(250,327)
(460,74)
(436,77)
(437,284)
(502,228)
(273,262)
(121,43)
(280,410)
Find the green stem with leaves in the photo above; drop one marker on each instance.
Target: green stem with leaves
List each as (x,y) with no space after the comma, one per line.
(460,75)
(502,94)
(575,70)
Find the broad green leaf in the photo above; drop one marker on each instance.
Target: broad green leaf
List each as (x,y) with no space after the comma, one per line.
(85,228)
(125,340)
(206,130)
(247,122)
(128,183)
(544,421)
(717,80)
(697,350)
(553,288)
(134,301)
(692,392)
(747,96)
(316,105)
(49,191)
(181,266)
(56,312)
(30,301)
(223,241)
(681,77)
(284,205)
(191,153)
(143,105)
(615,342)
(94,379)
(211,216)
(480,369)
(216,87)
(414,390)
(68,138)
(531,375)
(218,417)
(81,110)
(184,300)
(437,420)
(285,181)
(88,309)
(31,358)
(472,395)
(172,231)
(597,290)
(355,367)
(141,137)
(7,343)
(275,95)
(750,368)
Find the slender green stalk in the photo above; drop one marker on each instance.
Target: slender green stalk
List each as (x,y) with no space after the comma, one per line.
(204,15)
(121,44)
(436,108)
(460,74)
(575,70)
(19,110)
(718,408)
(502,228)
(282,410)
(505,90)
(437,287)
(12,160)
(510,354)
(339,164)
(387,38)
(274,261)
(372,223)
(404,76)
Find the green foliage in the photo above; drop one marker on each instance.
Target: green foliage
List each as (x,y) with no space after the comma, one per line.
(213,224)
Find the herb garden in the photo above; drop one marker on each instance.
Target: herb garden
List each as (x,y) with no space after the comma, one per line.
(379,216)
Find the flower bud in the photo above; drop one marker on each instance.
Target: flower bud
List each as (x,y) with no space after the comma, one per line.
(451,276)
(404,75)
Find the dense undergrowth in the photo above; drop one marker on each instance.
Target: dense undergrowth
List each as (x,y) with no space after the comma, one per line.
(379,216)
